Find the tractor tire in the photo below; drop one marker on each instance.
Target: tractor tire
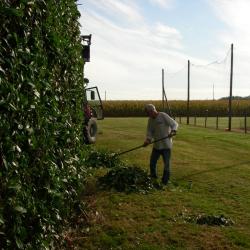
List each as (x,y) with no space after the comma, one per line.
(90,132)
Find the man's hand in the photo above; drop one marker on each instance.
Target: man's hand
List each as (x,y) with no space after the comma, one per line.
(146,142)
(172,133)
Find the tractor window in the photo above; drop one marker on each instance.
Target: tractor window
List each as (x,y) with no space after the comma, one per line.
(94,101)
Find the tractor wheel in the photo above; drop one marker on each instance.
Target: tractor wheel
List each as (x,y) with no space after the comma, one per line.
(90,131)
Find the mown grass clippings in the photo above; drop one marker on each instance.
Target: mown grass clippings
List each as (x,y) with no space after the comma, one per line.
(102,158)
(210,220)
(213,220)
(128,179)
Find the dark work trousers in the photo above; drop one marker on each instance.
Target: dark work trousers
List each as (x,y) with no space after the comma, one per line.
(166,154)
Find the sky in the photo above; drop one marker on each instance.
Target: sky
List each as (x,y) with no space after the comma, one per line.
(133,40)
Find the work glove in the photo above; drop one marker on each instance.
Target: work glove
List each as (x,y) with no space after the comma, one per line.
(146,142)
(172,133)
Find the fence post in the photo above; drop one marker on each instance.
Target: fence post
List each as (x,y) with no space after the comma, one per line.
(206,118)
(230,94)
(217,122)
(245,122)
(188,93)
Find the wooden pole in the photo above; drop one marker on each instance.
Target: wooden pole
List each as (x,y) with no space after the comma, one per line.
(162,81)
(245,122)
(188,92)
(213,92)
(230,94)
(164,96)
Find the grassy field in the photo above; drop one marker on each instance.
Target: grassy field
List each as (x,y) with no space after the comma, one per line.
(237,123)
(210,176)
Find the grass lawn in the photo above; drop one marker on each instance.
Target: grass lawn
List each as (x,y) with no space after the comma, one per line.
(210,176)
(237,123)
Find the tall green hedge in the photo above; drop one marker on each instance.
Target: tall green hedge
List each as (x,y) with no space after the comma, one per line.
(41,95)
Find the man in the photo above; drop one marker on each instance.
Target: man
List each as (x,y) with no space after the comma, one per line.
(160,125)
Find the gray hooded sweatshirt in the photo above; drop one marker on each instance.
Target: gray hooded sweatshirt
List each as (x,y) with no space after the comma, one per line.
(160,127)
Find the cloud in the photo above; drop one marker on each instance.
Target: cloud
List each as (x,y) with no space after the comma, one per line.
(163,3)
(127,55)
(235,14)
(167,35)
(127,61)
(123,9)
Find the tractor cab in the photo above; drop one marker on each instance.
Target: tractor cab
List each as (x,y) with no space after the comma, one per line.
(93,110)
(95,103)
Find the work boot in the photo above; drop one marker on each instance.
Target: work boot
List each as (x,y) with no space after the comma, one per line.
(164,181)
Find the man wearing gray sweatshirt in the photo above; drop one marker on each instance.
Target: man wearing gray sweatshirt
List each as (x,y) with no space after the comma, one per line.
(160,125)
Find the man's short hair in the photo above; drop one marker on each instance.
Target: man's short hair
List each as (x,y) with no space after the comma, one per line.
(150,107)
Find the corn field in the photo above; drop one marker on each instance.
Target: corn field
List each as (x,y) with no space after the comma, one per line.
(198,108)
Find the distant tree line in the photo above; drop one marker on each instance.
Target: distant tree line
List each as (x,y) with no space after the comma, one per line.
(236,98)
